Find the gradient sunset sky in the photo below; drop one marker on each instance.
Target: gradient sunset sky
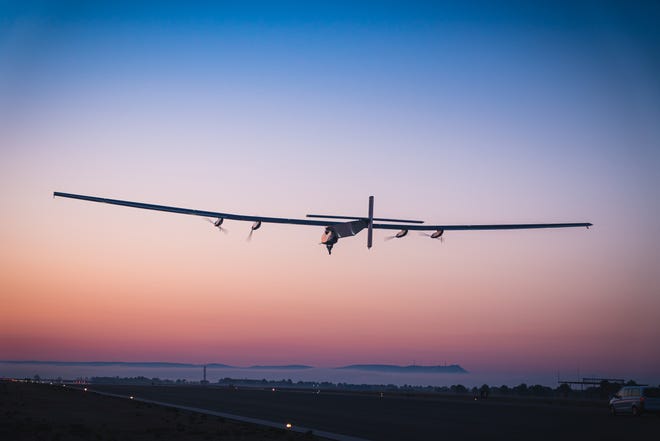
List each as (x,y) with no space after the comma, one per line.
(459,112)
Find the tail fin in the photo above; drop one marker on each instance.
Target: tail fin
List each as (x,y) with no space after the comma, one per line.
(370,226)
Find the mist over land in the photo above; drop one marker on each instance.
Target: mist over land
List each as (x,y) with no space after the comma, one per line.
(454,368)
(354,374)
(351,374)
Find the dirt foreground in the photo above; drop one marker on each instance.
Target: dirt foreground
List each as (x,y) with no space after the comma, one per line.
(51,412)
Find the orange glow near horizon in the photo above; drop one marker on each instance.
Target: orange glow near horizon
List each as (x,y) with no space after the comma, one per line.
(237,307)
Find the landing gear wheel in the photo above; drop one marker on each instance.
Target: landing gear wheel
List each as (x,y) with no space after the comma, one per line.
(612,411)
(635,411)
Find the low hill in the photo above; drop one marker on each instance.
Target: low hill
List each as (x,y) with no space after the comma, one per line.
(448,369)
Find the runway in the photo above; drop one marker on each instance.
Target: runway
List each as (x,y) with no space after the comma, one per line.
(397,417)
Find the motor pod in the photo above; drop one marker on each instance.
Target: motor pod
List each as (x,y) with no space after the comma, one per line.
(437,234)
(401,234)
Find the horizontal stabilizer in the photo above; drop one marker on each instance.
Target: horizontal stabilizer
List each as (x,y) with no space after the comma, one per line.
(329,216)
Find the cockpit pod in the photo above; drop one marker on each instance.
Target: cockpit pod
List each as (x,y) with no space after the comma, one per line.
(332,233)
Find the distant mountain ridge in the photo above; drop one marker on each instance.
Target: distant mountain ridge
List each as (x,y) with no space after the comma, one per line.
(448,369)
(152,364)
(284,366)
(106,363)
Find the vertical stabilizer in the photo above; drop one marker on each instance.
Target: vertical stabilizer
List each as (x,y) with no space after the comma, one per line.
(370,231)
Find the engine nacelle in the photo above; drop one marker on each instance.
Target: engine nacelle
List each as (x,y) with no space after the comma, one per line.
(401,234)
(218,222)
(438,234)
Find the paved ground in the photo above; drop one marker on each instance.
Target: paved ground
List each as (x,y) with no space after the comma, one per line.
(394,417)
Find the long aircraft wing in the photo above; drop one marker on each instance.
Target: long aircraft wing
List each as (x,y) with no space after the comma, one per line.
(479,227)
(241,217)
(318,223)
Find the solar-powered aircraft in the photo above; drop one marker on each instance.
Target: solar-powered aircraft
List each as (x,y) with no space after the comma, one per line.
(335,227)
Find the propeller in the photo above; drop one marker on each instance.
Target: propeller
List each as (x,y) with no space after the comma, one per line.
(217,223)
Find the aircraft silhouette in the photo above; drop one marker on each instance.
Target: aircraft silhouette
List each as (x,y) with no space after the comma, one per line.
(336,227)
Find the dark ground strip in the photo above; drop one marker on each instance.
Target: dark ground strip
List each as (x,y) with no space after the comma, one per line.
(31,412)
(395,417)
